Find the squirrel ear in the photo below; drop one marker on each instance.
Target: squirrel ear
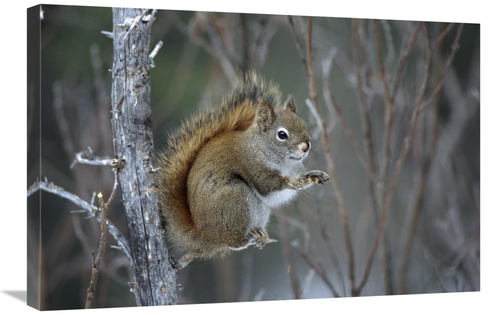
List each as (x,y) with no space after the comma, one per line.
(265,116)
(290,104)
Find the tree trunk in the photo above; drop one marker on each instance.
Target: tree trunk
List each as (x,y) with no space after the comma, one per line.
(155,279)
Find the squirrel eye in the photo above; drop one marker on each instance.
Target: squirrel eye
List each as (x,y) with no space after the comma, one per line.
(282,134)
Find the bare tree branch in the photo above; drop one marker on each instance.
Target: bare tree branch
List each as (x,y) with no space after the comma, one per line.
(418,107)
(439,85)
(218,47)
(88,157)
(328,156)
(332,102)
(96,260)
(384,172)
(300,49)
(319,268)
(91,209)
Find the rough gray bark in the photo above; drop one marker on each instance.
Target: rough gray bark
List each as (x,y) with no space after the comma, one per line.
(155,279)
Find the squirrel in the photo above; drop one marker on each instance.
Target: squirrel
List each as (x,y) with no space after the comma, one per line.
(222,172)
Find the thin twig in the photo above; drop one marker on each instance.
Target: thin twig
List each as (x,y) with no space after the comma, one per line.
(310,68)
(103,208)
(439,86)
(388,126)
(388,39)
(419,103)
(387,196)
(442,35)
(323,228)
(88,157)
(404,60)
(82,204)
(296,40)
(328,156)
(424,175)
(267,29)
(332,102)
(389,106)
(156,50)
(115,188)
(320,270)
(366,124)
(416,207)
(307,282)
(108,34)
(214,48)
(259,295)
(96,260)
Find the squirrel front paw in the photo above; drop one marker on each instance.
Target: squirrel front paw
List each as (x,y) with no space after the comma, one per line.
(259,237)
(318,177)
(294,183)
(311,177)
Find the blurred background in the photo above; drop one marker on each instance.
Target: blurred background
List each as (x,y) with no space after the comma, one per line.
(399,105)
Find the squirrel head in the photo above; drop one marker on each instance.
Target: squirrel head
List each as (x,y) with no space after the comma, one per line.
(285,137)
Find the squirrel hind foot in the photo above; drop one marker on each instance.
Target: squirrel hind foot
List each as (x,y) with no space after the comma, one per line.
(185,260)
(259,238)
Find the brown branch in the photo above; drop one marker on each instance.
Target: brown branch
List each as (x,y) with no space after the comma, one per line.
(332,103)
(387,196)
(389,108)
(366,123)
(420,105)
(388,40)
(267,29)
(439,86)
(442,35)
(96,260)
(296,40)
(91,209)
(375,187)
(415,210)
(404,59)
(320,270)
(416,207)
(406,144)
(328,156)
(310,68)
(383,77)
(214,48)
(384,172)
(323,229)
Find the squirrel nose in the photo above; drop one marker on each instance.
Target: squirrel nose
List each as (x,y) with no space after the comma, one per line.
(305,146)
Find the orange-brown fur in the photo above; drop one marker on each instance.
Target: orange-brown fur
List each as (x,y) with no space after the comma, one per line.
(236,112)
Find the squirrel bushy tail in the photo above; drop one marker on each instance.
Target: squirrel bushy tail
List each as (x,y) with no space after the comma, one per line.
(236,112)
